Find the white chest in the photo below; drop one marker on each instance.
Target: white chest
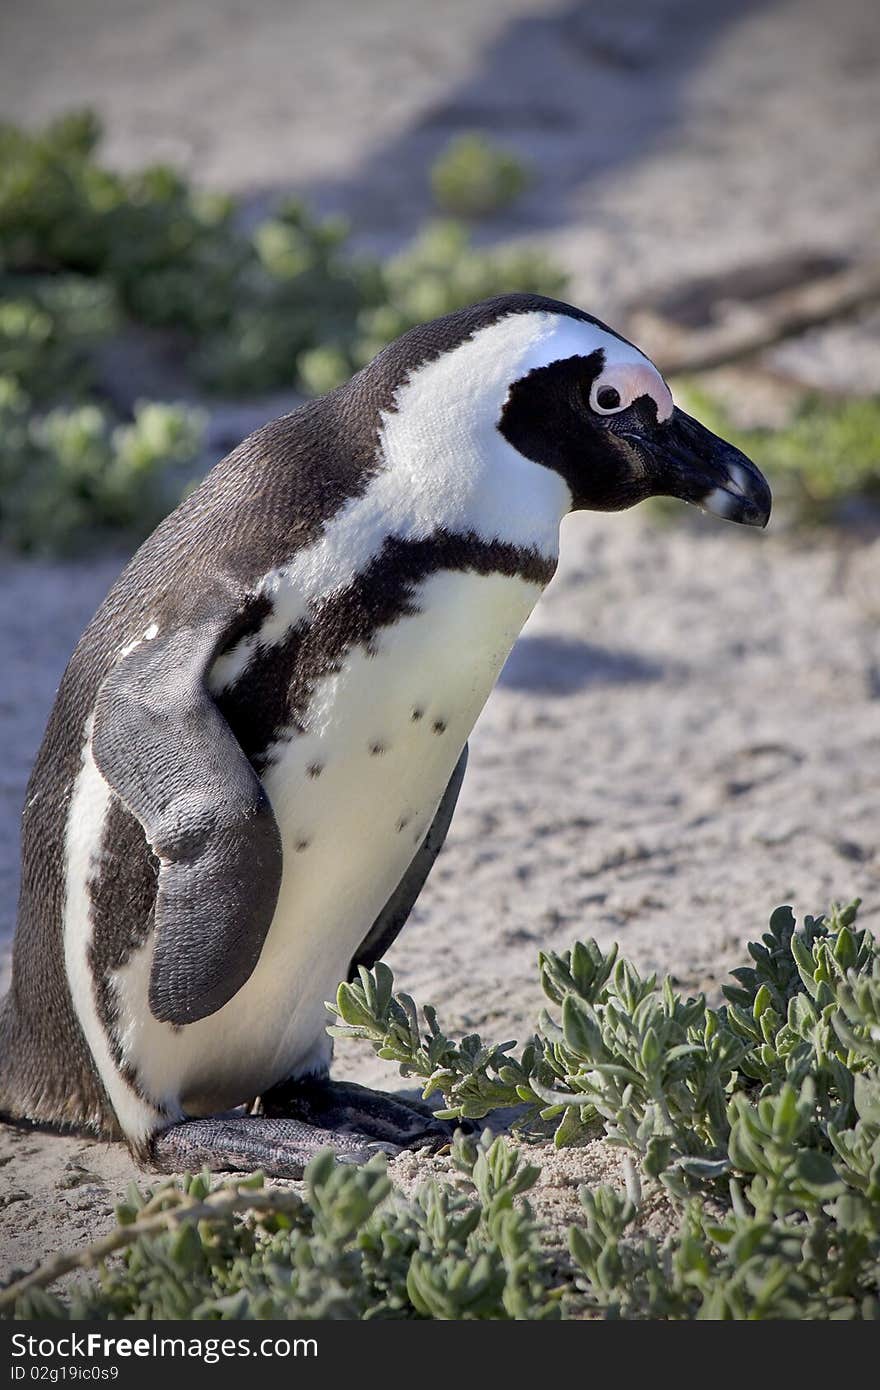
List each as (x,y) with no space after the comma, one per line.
(353,797)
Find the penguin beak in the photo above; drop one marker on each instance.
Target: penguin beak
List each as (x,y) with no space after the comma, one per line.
(687,461)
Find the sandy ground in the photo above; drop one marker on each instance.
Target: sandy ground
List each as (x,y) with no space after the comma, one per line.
(688,732)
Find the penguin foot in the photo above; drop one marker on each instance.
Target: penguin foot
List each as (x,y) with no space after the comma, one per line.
(242,1143)
(347,1109)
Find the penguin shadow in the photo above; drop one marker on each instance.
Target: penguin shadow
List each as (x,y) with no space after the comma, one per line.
(554,665)
(576,92)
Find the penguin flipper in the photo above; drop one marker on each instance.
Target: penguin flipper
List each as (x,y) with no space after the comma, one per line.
(402,901)
(162,744)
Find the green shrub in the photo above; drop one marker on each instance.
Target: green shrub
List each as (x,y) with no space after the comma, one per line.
(442,272)
(47,326)
(287,305)
(51,196)
(299,291)
(761,1117)
(61,211)
(350,1247)
(73,478)
(84,250)
(758,1122)
(473,178)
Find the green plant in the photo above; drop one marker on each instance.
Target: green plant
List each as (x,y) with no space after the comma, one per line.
(85,250)
(473,178)
(440,272)
(300,290)
(48,324)
(72,477)
(762,1117)
(757,1125)
(349,1247)
(60,211)
(288,304)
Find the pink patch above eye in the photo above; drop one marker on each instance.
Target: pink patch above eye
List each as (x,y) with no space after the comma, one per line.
(632,380)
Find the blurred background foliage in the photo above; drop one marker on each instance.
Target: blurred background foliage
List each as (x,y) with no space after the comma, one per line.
(88,254)
(473,179)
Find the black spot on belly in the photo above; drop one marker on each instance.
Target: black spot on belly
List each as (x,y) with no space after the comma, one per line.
(439,726)
(403,823)
(377,749)
(315,769)
(301,845)
(417,714)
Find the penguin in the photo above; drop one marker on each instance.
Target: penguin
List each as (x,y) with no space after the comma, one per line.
(256,749)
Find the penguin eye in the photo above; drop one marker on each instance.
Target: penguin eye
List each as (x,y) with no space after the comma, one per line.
(605,399)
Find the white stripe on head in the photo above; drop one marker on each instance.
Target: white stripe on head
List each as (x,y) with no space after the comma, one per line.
(445,464)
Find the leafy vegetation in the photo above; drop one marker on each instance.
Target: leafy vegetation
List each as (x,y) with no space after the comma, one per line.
(72,477)
(48,325)
(349,1247)
(826,455)
(762,1117)
(473,178)
(438,273)
(86,251)
(247,305)
(758,1123)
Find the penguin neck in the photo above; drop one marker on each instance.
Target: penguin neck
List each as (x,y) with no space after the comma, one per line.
(471,484)
(507,498)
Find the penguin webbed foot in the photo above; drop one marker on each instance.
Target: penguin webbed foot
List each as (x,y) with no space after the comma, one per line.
(281,1147)
(345,1108)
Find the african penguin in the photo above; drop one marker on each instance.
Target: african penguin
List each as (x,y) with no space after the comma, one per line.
(256,749)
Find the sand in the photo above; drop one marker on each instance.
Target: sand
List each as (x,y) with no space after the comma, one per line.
(687,734)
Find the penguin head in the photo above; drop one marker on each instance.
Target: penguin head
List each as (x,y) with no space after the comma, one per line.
(565,392)
(604,418)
